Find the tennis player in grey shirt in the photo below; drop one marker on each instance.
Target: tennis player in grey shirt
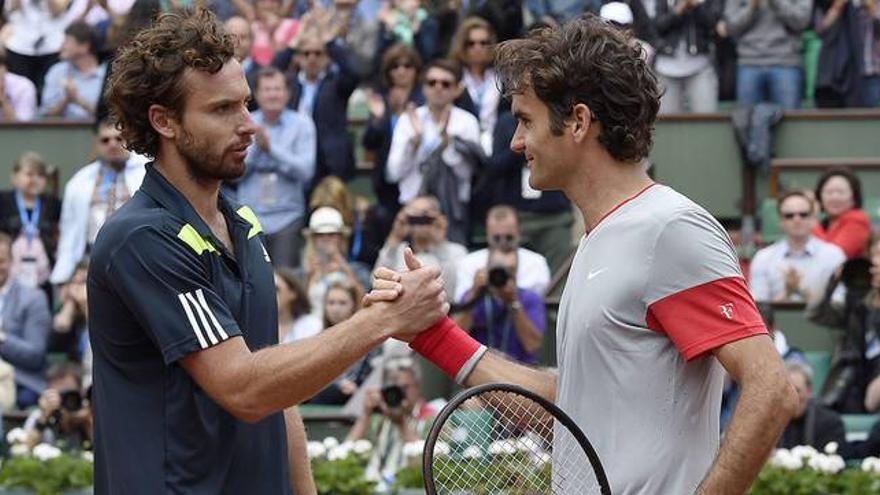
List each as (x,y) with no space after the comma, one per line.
(655,308)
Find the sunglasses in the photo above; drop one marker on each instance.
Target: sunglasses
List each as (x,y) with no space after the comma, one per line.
(311,53)
(106,140)
(472,43)
(444,83)
(802,214)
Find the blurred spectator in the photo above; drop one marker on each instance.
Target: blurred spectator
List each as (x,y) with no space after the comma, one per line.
(340,303)
(798,266)
(18,96)
(558,12)
(92,195)
(684,62)
(37,28)
(271,31)
(421,226)
(768,43)
(814,425)
(406,22)
(324,260)
(545,217)
(295,318)
(503,234)
(620,15)
(280,165)
(472,48)
(363,220)
(73,85)
(70,325)
(30,217)
(501,313)
(23,330)
(849,62)
(399,75)
(871,343)
(392,416)
(240,28)
(839,192)
(433,139)
(325,77)
(65,416)
(7,386)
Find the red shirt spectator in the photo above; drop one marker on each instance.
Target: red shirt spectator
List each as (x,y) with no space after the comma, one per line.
(840,195)
(850,231)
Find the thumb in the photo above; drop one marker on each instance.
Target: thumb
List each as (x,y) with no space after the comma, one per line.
(411,262)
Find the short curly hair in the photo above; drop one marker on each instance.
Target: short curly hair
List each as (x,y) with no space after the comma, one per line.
(151,69)
(591,62)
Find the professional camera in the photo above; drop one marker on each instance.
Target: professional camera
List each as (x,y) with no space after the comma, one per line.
(71,400)
(393,395)
(498,276)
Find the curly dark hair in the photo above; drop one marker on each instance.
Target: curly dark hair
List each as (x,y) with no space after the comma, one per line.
(591,62)
(151,69)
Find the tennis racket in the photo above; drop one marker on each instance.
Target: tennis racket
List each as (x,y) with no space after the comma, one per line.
(503,439)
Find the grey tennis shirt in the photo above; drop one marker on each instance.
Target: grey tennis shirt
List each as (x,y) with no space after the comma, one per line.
(653,288)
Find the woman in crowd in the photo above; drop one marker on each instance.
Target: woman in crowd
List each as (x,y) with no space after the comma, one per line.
(340,303)
(473,48)
(406,22)
(849,62)
(845,224)
(295,318)
(272,32)
(30,217)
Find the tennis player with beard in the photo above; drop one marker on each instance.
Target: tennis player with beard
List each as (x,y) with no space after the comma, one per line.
(192,393)
(655,308)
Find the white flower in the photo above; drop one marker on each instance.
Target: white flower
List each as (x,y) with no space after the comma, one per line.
(413,449)
(830,464)
(362,447)
(502,447)
(540,458)
(16,435)
(44,452)
(785,459)
(472,452)
(88,456)
(871,464)
(338,453)
(459,435)
(331,442)
(528,444)
(316,449)
(804,452)
(441,449)
(831,448)
(19,450)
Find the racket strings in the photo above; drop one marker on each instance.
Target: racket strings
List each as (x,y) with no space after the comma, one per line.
(502,442)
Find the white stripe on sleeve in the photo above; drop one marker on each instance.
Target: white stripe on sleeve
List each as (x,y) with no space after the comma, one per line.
(205,325)
(192,321)
(201,297)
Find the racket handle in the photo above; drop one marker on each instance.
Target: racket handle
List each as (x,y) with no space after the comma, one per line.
(450,348)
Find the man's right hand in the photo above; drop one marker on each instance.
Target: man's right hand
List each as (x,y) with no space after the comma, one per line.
(49,402)
(400,228)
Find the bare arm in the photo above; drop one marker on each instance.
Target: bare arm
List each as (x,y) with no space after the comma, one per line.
(297,454)
(526,331)
(766,404)
(493,368)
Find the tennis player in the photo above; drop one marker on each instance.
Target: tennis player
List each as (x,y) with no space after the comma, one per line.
(655,308)
(189,384)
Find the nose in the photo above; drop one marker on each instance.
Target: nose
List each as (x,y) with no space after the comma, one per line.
(518,142)
(248,126)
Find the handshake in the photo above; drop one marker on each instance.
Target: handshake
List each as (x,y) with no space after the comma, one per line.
(412,307)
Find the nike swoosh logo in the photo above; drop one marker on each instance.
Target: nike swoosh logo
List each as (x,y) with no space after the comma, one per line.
(592,275)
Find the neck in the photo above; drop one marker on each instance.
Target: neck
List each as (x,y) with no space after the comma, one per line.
(114,164)
(437,113)
(604,185)
(201,193)
(797,243)
(271,116)
(85,63)
(28,198)
(312,78)
(478,71)
(421,245)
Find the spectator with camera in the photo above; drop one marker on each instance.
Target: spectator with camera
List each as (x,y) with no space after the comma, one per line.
(502,314)
(814,424)
(798,266)
(393,415)
(503,234)
(64,416)
(421,226)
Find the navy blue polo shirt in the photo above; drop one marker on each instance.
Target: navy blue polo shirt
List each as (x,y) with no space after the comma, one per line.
(162,286)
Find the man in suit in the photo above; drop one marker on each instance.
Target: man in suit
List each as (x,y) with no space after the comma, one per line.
(324,77)
(240,28)
(24,316)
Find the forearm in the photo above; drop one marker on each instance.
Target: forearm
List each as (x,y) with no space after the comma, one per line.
(763,410)
(359,428)
(465,320)
(297,454)
(527,331)
(8,109)
(493,368)
(56,109)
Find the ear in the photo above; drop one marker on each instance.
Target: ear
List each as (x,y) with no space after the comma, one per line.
(581,120)
(162,121)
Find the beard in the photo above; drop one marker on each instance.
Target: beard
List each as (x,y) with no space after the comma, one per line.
(204,163)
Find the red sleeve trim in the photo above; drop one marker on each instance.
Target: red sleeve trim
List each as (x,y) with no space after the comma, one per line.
(708,316)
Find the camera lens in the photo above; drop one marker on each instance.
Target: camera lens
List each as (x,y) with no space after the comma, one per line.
(392,395)
(498,276)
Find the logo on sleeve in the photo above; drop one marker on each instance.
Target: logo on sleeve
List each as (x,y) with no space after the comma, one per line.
(727,310)
(265,253)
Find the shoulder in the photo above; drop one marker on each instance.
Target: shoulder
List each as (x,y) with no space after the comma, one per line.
(139,222)
(764,254)
(455,250)
(29,295)
(56,69)
(828,248)
(86,172)
(856,216)
(463,117)
(529,256)
(477,257)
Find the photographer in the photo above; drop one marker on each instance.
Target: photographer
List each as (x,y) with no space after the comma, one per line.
(502,315)
(64,416)
(405,417)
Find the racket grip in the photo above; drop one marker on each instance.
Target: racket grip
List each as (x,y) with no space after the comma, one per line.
(450,348)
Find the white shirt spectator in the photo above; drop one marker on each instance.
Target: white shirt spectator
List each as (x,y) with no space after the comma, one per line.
(35,31)
(304,327)
(815,264)
(21,94)
(403,165)
(532,271)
